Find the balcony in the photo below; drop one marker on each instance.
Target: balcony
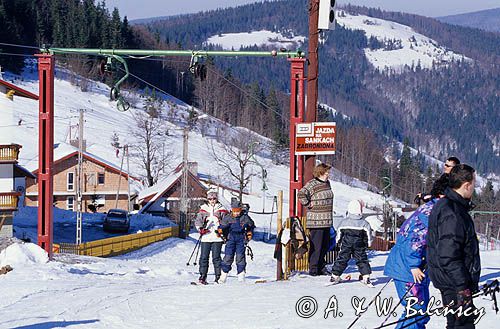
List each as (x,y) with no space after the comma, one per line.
(9,153)
(8,201)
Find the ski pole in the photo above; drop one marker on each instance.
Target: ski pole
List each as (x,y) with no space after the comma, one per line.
(195,246)
(197,252)
(488,289)
(399,302)
(371,302)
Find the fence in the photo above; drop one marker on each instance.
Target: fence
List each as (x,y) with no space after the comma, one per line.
(293,264)
(118,245)
(487,224)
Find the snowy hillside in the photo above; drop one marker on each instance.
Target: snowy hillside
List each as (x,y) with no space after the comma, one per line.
(409,47)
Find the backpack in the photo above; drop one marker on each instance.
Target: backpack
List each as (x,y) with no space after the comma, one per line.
(298,238)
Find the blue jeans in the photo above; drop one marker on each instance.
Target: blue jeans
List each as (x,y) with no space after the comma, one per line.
(235,245)
(206,247)
(420,291)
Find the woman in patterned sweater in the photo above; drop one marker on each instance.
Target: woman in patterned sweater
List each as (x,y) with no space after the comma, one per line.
(317,197)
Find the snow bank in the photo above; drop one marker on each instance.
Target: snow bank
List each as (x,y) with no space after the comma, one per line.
(23,254)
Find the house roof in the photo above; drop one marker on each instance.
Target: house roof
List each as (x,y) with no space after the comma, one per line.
(154,192)
(19,91)
(65,151)
(20,171)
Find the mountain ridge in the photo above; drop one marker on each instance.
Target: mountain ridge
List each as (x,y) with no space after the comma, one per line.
(488,19)
(399,105)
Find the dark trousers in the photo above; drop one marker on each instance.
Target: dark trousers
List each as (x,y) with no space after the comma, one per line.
(452,322)
(216,248)
(234,245)
(320,239)
(346,252)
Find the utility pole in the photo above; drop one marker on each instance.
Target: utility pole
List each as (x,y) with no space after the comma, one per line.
(120,178)
(312,80)
(128,179)
(184,206)
(79,184)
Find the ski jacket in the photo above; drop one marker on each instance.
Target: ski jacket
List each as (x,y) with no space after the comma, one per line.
(355,231)
(317,196)
(236,227)
(453,247)
(209,217)
(410,249)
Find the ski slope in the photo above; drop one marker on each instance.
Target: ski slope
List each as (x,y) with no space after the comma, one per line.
(415,48)
(150,288)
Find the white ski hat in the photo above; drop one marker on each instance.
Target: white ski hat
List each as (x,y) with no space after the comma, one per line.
(355,207)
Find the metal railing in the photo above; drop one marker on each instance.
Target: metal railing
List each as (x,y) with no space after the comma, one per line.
(10,152)
(8,200)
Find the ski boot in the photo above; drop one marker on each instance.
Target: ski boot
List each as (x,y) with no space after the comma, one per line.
(202,279)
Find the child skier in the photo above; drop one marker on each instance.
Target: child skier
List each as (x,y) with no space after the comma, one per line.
(238,228)
(406,261)
(355,236)
(207,222)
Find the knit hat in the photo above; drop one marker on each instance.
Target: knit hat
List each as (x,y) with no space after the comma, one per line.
(235,203)
(355,207)
(212,194)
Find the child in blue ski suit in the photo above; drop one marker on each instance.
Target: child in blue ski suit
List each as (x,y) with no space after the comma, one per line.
(407,260)
(238,227)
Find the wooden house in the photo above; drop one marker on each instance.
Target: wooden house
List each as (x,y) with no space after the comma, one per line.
(105,186)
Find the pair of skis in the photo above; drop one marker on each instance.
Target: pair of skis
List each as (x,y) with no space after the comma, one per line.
(348,278)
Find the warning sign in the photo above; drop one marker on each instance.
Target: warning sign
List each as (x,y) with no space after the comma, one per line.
(315,138)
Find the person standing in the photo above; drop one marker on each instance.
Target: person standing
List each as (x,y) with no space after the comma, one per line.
(317,197)
(355,236)
(239,228)
(453,248)
(207,222)
(406,263)
(450,163)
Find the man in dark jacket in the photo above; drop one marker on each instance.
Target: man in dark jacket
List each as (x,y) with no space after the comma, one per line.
(453,247)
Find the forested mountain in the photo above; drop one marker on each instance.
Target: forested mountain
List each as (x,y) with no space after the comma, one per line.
(443,109)
(488,20)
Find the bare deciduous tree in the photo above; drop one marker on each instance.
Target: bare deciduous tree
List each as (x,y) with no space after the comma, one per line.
(234,156)
(150,133)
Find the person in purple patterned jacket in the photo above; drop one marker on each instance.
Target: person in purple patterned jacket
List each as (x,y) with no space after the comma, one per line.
(407,260)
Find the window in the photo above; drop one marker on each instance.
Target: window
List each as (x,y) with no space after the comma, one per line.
(91,179)
(100,179)
(70,203)
(71,181)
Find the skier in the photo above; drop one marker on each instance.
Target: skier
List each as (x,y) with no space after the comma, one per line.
(317,197)
(207,222)
(453,247)
(355,236)
(407,260)
(238,228)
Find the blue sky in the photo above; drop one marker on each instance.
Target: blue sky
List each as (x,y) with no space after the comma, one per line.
(431,8)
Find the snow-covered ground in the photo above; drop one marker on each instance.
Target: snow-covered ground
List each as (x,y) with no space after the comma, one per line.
(150,288)
(258,38)
(414,48)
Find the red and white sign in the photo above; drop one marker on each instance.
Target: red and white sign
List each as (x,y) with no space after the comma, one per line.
(315,138)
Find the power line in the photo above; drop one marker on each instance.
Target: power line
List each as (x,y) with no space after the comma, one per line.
(19,46)
(19,55)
